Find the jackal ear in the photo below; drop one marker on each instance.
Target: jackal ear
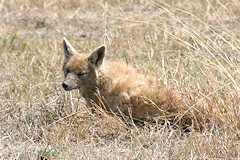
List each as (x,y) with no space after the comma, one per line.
(67,49)
(97,56)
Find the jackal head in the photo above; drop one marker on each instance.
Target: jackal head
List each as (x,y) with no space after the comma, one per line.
(80,69)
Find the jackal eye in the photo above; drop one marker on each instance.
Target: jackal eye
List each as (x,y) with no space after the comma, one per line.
(81,73)
(67,70)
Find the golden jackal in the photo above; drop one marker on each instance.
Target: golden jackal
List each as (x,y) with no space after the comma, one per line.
(114,85)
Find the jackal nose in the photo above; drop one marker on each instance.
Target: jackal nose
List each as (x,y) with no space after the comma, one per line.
(64,85)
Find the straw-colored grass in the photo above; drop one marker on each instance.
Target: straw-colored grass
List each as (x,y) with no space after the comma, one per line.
(192,46)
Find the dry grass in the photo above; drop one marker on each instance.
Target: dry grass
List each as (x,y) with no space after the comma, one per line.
(192,46)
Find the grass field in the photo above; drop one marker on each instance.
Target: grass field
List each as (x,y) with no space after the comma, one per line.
(191,46)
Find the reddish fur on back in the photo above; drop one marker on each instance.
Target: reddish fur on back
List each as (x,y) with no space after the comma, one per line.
(128,89)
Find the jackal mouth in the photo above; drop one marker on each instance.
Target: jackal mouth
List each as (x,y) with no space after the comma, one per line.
(67,87)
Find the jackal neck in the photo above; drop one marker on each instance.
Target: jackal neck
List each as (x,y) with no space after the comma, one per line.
(90,87)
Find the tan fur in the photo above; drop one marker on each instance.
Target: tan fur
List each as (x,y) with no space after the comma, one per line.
(120,87)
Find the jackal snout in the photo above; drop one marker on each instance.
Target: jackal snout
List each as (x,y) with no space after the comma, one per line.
(71,81)
(66,86)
